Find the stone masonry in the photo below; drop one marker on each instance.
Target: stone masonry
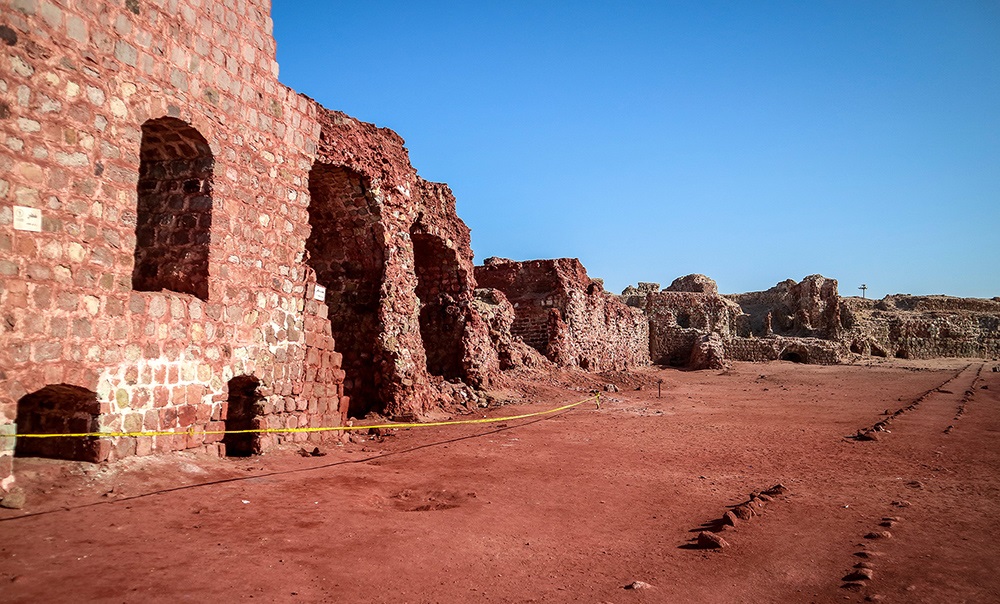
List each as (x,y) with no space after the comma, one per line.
(691,325)
(187,245)
(567,316)
(921,327)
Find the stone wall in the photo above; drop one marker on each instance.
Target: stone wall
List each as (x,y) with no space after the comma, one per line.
(809,308)
(396,262)
(809,322)
(922,327)
(677,319)
(567,316)
(190,210)
(169,169)
(775,348)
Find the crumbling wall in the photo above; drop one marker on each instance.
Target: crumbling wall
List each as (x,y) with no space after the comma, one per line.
(635,295)
(774,348)
(683,314)
(922,327)
(497,313)
(170,217)
(678,319)
(809,308)
(400,290)
(567,316)
(809,322)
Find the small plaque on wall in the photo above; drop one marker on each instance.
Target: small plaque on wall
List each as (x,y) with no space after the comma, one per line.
(27,219)
(319,293)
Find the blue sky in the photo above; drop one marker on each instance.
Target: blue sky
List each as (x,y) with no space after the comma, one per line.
(749,141)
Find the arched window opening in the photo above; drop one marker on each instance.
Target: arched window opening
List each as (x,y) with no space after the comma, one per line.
(174,209)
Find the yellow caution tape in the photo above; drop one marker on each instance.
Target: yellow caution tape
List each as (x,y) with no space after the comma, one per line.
(192,431)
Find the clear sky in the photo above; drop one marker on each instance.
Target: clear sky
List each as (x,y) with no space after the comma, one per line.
(749,141)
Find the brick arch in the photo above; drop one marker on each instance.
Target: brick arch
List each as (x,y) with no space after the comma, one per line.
(60,409)
(174,209)
(346,249)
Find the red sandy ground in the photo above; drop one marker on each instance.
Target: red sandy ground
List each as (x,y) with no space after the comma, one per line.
(571,507)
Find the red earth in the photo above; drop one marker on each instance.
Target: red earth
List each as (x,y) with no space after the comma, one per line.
(568,507)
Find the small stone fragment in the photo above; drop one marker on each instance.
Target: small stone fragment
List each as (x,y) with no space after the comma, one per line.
(867,555)
(901,504)
(709,540)
(638,585)
(742,512)
(860,574)
(14,500)
(854,585)
(729,518)
(778,489)
(864,565)
(879,535)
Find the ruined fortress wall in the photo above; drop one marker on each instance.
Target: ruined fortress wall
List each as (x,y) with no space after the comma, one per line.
(774,348)
(186,245)
(809,308)
(169,170)
(396,262)
(677,319)
(567,316)
(535,289)
(922,327)
(939,304)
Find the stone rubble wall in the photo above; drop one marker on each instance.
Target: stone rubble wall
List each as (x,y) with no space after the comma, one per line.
(421,273)
(809,322)
(809,308)
(774,348)
(922,327)
(677,319)
(567,316)
(183,192)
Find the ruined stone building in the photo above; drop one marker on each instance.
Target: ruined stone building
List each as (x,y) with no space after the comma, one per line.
(692,325)
(921,327)
(188,245)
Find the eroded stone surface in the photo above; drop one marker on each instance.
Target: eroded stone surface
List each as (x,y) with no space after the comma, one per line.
(567,316)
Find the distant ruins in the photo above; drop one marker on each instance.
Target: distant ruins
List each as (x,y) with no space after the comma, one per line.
(692,325)
(187,245)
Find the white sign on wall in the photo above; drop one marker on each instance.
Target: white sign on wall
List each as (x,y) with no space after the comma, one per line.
(27,219)
(319,293)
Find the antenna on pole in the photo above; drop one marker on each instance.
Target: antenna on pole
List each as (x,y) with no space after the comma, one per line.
(863,288)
